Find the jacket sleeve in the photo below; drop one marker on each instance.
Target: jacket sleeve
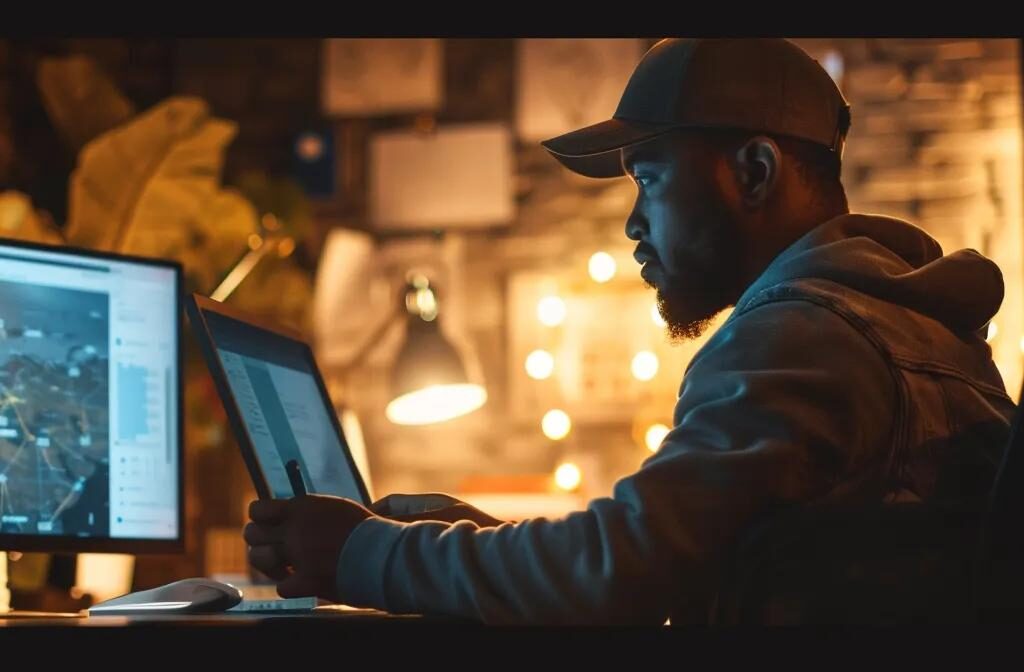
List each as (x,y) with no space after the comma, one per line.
(784,404)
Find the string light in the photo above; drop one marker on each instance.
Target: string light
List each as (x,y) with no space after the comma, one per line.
(602,267)
(556,424)
(540,364)
(286,247)
(654,436)
(645,365)
(568,476)
(551,311)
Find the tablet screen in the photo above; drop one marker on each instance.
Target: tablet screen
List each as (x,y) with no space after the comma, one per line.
(274,383)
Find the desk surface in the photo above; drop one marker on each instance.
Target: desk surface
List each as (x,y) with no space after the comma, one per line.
(206,620)
(342,641)
(192,643)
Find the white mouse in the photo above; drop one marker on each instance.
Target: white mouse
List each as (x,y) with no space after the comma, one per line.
(188,596)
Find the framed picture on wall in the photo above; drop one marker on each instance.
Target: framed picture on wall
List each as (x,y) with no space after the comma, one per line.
(371,77)
(457,176)
(563,84)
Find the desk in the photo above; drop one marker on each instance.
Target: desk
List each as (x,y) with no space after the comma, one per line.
(352,642)
(208,620)
(256,637)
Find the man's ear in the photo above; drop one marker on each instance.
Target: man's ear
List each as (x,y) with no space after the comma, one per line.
(757,169)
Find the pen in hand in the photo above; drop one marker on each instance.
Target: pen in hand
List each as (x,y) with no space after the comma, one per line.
(295,477)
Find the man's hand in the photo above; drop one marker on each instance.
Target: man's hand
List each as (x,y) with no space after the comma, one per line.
(297,542)
(432,506)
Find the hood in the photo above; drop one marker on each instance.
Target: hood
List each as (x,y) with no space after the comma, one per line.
(894,261)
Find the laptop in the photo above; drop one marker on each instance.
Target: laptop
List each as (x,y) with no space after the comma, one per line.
(279,411)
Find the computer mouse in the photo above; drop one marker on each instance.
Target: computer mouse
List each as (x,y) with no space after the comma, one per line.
(188,596)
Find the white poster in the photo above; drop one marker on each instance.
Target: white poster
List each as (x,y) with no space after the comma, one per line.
(366,77)
(565,84)
(457,176)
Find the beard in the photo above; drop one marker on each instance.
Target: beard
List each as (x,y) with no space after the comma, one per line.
(705,284)
(688,312)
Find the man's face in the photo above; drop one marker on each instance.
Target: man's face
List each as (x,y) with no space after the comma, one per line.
(689,243)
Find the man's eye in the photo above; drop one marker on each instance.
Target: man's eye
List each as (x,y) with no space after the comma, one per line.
(642,180)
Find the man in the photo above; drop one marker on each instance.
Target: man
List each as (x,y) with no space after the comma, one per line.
(852,369)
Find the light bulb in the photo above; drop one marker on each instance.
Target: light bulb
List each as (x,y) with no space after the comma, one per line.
(602,267)
(540,364)
(568,476)
(556,424)
(551,311)
(654,436)
(645,365)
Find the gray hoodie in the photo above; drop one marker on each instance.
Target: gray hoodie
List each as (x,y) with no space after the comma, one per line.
(853,370)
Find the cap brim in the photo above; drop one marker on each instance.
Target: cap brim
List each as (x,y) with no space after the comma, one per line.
(594,150)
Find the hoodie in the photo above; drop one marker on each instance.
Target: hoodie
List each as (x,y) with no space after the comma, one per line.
(853,370)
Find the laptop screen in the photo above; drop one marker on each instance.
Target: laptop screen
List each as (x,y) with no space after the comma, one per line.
(274,383)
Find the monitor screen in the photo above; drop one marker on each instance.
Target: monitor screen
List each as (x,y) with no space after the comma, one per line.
(90,446)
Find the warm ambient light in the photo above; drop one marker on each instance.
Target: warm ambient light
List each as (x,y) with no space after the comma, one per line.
(993,331)
(656,317)
(540,364)
(286,247)
(568,476)
(556,424)
(426,303)
(645,365)
(436,403)
(602,267)
(654,436)
(551,311)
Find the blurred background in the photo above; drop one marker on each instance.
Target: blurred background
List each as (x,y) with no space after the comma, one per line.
(340,186)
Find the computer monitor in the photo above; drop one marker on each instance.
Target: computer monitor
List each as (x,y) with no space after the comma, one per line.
(91,431)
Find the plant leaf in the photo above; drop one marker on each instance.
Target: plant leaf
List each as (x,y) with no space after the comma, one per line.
(18,219)
(81,100)
(142,187)
(221,238)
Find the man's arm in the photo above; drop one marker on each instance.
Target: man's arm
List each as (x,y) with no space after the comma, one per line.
(778,408)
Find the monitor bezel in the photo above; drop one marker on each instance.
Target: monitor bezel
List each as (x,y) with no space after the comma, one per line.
(130,545)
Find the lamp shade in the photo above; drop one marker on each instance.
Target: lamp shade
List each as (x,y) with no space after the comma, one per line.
(429,381)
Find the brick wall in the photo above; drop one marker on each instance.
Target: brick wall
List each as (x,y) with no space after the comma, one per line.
(936,140)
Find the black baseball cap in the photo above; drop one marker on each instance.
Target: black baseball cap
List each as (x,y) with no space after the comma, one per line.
(755,84)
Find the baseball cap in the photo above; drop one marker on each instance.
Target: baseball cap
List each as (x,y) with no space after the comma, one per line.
(755,84)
